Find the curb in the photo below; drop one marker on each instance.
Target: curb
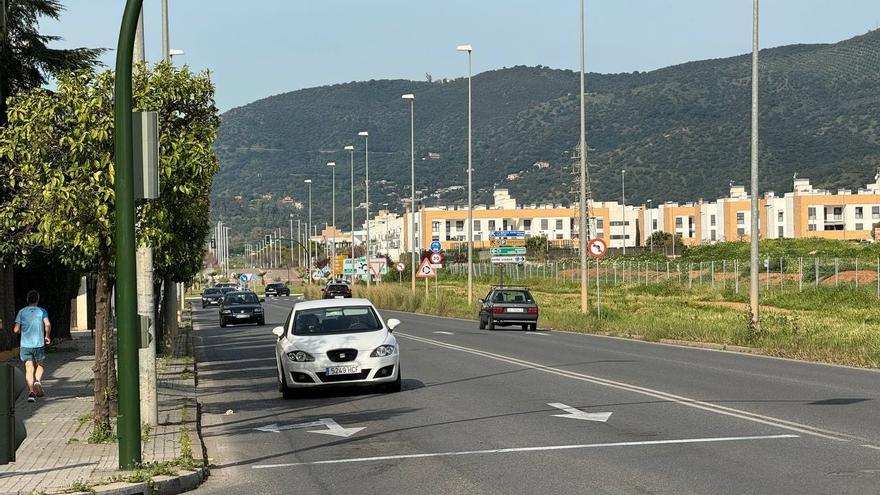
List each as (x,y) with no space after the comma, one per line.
(161,485)
(710,345)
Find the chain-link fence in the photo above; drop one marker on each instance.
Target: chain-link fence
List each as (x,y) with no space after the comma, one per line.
(776,273)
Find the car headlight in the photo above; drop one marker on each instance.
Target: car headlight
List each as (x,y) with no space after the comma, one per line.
(383,350)
(258,310)
(226,311)
(300,356)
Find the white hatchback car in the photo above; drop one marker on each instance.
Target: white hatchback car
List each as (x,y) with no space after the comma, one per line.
(336,342)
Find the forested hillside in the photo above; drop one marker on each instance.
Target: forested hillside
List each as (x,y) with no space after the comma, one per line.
(681,132)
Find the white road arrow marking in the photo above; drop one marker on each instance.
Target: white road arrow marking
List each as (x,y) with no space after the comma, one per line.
(333,428)
(578,414)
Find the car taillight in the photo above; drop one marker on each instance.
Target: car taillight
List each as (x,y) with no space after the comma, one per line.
(533,311)
(497,310)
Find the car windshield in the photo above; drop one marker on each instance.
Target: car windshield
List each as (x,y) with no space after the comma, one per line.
(227,290)
(212,292)
(512,296)
(338,287)
(328,321)
(240,298)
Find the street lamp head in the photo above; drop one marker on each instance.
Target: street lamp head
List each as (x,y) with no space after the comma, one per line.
(331,164)
(464,48)
(363,133)
(409,96)
(175,52)
(349,148)
(308,181)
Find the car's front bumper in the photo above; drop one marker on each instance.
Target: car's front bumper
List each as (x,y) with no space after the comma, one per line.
(210,302)
(314,373)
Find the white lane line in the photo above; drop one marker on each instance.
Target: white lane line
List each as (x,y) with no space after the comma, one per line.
(444,333)
(538,334)
(658,394)
(525,449)
(871,446)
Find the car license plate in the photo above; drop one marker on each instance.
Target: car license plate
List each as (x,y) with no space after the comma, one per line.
(338,297)
(515,310)
(242,315)
(343,370)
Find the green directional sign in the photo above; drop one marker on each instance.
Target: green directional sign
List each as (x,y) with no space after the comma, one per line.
(500,251)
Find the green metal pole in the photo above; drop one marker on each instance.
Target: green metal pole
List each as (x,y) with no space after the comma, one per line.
(128,420)
(7,420)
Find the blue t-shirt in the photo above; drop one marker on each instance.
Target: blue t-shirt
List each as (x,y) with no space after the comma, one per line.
(31,321)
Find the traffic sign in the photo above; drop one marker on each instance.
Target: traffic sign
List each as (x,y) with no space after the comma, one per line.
(400,267)
(508,259)
(377,266)
(507,250)
(509,233)
(425,270)
(597,248)
(436,258)
(436,247)
(349,267)
(507,242)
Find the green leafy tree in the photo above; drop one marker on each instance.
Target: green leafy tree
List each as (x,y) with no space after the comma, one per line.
(537,246)
(58,173)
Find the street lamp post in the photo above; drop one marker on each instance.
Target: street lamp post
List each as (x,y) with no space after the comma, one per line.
(412,185)
(366,136)
(309,244)
(332,166)
(650,227)
(623,205)
(470,293)
(753,272)
(350,149)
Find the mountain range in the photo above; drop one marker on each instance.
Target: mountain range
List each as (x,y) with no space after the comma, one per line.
(681,133)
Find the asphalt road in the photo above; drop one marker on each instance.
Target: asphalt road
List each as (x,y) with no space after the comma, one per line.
(475,416)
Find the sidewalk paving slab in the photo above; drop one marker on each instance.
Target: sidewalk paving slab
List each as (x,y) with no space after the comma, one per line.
(56,453)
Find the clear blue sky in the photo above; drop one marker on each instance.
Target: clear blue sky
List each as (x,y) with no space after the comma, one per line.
(258,48)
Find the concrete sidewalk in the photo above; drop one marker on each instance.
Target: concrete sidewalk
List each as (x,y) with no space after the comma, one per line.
(56,456)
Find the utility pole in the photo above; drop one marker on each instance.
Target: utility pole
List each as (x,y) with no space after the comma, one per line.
(166,45)
(582,206)
(366,136)
(623,205)
(753,272)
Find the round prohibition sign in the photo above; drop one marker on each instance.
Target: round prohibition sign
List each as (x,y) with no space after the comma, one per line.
(400,267)
(597,248)
(436,258)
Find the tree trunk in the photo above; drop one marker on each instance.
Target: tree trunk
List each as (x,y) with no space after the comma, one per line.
(104,367)
(169,308)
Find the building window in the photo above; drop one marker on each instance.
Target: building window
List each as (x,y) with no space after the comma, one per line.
(838,211)
(811,213)
(740,231)
(654,224)
(459,225)
(527,224)
(875,212)
(558,224)
(491,224)
(448,227)
(476,225)
(544,223)
(811,227)
(619,224)
(435,226)
(781,231)
(860,213)
(740,218)
(558,236)
(712,235)
(678,222)
(860,226)
(619,236)
(780,217)
(711,220)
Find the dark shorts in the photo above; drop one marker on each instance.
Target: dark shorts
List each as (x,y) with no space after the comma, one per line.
(37,354)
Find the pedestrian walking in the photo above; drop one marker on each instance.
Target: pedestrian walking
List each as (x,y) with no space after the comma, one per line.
(33,324)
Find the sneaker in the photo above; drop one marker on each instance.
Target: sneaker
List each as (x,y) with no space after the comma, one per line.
(32,397)
(38,388)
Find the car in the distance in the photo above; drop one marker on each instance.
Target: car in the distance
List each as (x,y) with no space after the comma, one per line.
(336,342)
(336,290)
(211,296)
(241,307)
(228,285)
(276,290)
(505,306)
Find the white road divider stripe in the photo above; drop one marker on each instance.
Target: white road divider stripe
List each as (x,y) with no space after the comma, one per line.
(525,449)
(657,394)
